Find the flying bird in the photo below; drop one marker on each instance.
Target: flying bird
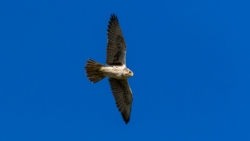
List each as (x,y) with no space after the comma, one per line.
(115,69)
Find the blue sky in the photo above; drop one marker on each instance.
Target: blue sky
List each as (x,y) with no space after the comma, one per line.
(190,61)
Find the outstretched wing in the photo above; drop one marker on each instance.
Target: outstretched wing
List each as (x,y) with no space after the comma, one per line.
(123,96)
(116,48)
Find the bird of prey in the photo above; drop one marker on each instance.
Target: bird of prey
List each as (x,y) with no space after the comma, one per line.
(115,69)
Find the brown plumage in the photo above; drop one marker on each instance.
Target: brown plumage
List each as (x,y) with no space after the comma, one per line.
(123,96)
(116,48)
(92,71)
(116,69)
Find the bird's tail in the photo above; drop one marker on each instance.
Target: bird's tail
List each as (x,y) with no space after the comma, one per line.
(92,71)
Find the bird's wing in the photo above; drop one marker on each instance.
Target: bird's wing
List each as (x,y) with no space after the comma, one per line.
(116,48)
(123,96)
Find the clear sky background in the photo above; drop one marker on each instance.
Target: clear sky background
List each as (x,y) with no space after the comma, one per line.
(190,61)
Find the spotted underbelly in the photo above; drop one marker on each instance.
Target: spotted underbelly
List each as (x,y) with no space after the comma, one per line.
(112,72)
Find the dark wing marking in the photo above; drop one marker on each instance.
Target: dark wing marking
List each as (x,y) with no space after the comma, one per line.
(116,48)
(123,97)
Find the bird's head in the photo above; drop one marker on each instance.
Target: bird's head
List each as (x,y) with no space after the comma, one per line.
(127,72)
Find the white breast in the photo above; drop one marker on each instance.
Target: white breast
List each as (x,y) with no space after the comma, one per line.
(113,71)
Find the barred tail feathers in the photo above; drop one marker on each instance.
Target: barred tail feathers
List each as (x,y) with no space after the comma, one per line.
(92,71)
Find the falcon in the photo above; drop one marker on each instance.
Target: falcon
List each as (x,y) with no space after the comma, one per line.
(115,69)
